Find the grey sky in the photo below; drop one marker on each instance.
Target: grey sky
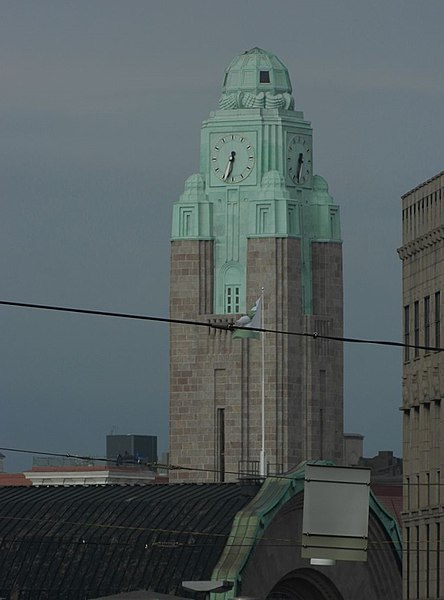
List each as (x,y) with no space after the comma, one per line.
(100,110)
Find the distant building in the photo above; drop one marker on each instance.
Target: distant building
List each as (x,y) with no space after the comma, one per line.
(93,475)
(129,459)
(384,467)
(353,448)
(131,448)
(14,479)
(422,255)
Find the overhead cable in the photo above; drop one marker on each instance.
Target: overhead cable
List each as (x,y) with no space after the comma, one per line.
(220,326)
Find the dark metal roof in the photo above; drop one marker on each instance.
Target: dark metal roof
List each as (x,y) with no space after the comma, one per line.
(87,542)
(141,596)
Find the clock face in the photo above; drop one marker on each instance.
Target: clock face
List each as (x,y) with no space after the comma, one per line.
(299,160)
(232,158)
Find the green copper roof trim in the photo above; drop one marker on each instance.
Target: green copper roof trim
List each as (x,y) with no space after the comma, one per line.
(390,524)
(250,524)
(192,238)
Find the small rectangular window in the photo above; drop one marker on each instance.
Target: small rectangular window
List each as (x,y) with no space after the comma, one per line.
(229,300)
(437,319)
(418,493)
(416,327)
(438,560)
(427,322)
(406,333)
(427,557)
(407,562)
(232,299)
(264,77)
(220,427)
(417,562)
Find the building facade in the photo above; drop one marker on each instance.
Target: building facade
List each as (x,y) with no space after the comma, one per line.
(255,217)
(422,255)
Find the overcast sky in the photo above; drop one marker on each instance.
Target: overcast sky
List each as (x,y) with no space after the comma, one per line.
(100,110)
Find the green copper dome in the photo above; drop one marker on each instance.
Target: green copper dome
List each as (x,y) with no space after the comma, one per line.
(257,71)
(256,79)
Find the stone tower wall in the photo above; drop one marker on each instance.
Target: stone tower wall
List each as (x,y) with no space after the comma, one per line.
(211,372)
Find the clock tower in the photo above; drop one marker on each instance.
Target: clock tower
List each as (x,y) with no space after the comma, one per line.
(255,216)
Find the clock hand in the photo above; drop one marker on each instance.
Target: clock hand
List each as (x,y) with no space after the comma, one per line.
(299,167)
(229,167)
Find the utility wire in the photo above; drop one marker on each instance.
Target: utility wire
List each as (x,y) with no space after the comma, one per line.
(171,545)
(230,327)
(227,327)
(169,467)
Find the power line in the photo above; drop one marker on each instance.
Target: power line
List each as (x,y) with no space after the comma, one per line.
(171,545)
(227,327)
(170,467)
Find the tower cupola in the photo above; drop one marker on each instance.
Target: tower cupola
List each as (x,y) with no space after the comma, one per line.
(256,79)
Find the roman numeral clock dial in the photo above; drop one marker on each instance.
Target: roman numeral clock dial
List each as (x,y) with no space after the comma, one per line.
(299,160)
(233,158)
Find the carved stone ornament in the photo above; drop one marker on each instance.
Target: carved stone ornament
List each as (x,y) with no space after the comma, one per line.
(260,100)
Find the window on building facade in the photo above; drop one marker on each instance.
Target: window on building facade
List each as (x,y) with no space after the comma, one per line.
(406,332)
(427,322)
(427,557)
(220,426)
(416,327)
(417,562)
(418,493)
(407,562)
(438,560)
(438,319)
(232,299)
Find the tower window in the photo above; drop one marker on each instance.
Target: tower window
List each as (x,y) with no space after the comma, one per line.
(264,76)
(232,299)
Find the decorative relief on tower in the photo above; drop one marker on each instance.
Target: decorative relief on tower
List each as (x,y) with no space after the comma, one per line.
(260,100)
(274,212)
(192,214)
(263,219)
(194,189)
